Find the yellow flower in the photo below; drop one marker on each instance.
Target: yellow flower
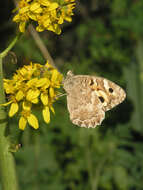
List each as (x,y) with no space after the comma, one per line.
(47,14)
(22,17)
(14,107)
(9,86)
(27,116)
(31,85)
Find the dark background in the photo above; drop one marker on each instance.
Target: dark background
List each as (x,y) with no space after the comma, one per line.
(105,39)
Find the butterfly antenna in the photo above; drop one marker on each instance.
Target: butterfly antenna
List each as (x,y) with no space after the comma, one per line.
(60,95)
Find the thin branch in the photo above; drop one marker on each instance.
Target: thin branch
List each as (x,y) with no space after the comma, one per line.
(11,45)
(41,45)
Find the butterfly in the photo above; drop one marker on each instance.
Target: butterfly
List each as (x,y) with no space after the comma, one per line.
(89,97)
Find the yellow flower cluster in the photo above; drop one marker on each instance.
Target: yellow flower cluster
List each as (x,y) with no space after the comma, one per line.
(31,85)
(48,14)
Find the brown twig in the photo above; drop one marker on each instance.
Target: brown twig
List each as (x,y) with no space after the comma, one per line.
(41,45)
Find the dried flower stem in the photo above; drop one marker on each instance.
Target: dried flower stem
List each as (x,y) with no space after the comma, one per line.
(41,45)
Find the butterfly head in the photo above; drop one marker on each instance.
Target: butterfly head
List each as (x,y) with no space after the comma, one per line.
(68,82)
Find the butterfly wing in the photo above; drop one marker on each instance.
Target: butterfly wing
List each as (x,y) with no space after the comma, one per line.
(89,97)
(84,106)
(108,92)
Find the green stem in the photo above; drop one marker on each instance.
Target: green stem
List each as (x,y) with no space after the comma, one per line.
(5,52)
(7,163)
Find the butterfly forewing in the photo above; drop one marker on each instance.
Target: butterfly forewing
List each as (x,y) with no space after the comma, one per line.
(88,97)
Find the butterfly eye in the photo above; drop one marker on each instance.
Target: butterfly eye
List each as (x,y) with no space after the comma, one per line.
(101,99)
(110,90)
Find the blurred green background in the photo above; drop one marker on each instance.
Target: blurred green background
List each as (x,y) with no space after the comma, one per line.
(105,38)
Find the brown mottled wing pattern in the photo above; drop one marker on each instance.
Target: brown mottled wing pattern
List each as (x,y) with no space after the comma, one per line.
(88,97)
(83,104)
(111,93)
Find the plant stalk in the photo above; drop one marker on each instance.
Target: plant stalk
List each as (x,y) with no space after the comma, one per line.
(5,52)
(7,162)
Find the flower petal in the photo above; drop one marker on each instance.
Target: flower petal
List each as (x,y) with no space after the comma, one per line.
(35,7)
(53,6)
(51,92)
(46,114)
(13,109)
(42,82)
(44,98)
(19,95)
(35,101)
(22,123)
(32,94)
(52,109)
(22,26)
(32,82)
(54,75)
(6,104)
(32,120)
